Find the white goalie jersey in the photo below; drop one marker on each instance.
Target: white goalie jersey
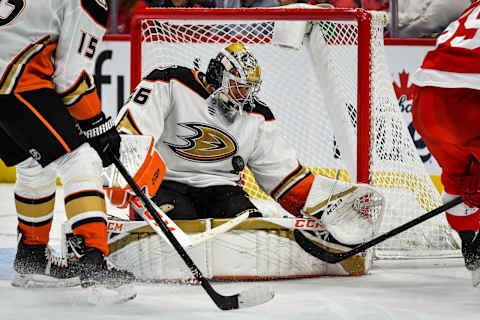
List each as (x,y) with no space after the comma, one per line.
(200,147)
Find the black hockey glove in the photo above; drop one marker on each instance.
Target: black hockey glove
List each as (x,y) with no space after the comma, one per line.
(102,135)
(470,248)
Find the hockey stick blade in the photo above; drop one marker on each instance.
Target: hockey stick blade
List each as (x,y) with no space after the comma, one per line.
(244,299)
(254,296)
(334,257)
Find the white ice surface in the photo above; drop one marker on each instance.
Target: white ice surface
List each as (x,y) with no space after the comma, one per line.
(400,290)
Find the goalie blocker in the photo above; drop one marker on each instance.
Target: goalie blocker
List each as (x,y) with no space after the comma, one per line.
(144,163)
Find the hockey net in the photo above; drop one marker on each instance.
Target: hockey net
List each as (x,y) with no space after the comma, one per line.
(325,77)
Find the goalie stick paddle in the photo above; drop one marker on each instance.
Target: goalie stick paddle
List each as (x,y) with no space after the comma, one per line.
(247,298)
(185,240)
(334,257)
(227,226)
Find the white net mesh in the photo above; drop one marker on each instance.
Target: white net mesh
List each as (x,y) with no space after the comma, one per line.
(397,169)
(312,91)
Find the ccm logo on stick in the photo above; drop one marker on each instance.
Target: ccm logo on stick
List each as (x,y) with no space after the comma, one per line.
(307,223)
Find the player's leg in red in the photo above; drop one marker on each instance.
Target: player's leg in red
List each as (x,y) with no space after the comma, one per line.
(447,120)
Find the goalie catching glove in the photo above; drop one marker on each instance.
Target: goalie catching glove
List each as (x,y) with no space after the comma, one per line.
(351,213)
(143,162)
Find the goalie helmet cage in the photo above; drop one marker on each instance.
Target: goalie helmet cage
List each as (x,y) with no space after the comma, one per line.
(325,77)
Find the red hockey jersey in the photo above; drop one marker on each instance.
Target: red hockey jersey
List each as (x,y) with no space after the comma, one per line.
(455,61)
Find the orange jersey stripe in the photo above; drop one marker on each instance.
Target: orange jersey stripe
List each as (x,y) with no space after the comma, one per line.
(38,71)
(17,68)
(87,107)
(81,98)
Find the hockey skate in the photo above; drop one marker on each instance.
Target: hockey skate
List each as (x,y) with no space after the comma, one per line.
(471,253)
(37,266)
(106,283)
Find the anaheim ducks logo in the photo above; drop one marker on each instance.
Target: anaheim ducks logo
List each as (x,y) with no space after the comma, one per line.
(206,144)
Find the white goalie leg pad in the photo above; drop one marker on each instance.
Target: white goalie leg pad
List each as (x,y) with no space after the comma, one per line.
(351,213)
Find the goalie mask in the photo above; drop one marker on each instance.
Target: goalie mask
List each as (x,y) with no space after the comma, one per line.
(235,75)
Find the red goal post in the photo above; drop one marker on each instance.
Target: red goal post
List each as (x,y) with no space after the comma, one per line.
(333,94)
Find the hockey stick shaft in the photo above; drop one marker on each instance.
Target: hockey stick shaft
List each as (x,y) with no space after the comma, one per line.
(332,257)
(223,302)
(181,236)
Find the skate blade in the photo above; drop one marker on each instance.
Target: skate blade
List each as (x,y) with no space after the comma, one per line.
(476,278)
(41,281)
(101,295)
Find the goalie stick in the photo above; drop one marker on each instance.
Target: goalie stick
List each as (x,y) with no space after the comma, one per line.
(247,298)
(212,233)
(124,226)
(186,241)
(334,257)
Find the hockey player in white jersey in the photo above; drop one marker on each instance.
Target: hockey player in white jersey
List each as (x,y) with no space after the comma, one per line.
(209,126)
(50,110)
